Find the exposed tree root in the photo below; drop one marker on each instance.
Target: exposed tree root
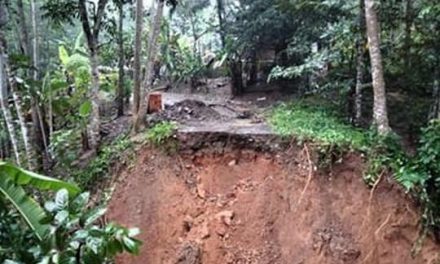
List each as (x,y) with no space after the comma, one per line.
(309,178)
(370,200)
(376,233)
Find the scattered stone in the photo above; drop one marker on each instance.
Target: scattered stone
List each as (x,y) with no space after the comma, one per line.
(204,231)
(188,223)
(200,191)
(189,253)
(232,163)
(226,217)
(221,230)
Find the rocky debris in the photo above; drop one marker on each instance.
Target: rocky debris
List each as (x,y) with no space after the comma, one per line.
(184,111)
(201,191)
(226,217)
(189,253)
(188,223)
(221,230)
(204,231)
(335,243)
(232,163)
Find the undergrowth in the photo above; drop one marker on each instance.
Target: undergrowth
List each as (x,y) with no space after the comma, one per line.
(161,132)
(317,124)
(418,174)
(99,167)
(162,137)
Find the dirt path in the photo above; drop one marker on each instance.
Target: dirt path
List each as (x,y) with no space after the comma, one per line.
(233,205)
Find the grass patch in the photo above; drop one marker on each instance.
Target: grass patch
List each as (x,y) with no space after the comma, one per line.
(317,124)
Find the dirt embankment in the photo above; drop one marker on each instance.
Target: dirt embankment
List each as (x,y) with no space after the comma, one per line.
(241,205)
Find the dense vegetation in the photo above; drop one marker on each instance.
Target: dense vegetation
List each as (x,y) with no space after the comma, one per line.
(366,74)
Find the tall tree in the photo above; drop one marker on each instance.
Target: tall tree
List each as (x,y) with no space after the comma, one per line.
(137,57)
(39,127)
(24,34)
(152,55)
(3,84)
(11,80)
(92,36)
(407,40)
(360,63)
(435,108)
(121,62)
(221,20)
(7,113)
(380,114)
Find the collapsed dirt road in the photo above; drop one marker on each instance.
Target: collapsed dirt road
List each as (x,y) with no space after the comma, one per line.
(238,204)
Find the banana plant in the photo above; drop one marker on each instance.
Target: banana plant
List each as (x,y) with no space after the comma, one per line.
(12,181)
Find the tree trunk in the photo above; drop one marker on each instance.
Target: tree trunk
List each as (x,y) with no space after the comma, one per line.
(92,36)
(8,117)
(120,95)
(152,50)
(24,34)
(360,64)
(4,99)
(380,115)
(30,154)
(137,58)
(5,69)
(94,123)
(435,109)
(407,40)
(236,69)
(221,20)
(39,134)
(253,69)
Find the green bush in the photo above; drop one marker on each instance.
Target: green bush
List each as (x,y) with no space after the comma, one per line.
(66,230)
(99,167)
(158,134)
(421,175)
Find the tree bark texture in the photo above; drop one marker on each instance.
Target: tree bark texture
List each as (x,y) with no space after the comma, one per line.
(152,54)
(380,115)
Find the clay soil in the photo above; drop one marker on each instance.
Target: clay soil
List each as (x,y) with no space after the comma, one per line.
(244,206)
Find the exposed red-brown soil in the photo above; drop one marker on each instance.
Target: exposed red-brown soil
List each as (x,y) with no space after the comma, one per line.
(244,206)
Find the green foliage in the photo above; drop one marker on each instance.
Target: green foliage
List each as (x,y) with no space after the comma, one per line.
(24,177)
(64,147)
(421,175)
(317,124)
(384,154)
(15,238)
(158,134)
(97,170)
(76,235)
(76,231)
(181,61)
(13,178)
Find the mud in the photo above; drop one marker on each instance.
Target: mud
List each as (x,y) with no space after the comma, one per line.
(245,205)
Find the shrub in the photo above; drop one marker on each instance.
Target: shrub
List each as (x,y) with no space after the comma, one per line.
(161,132)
